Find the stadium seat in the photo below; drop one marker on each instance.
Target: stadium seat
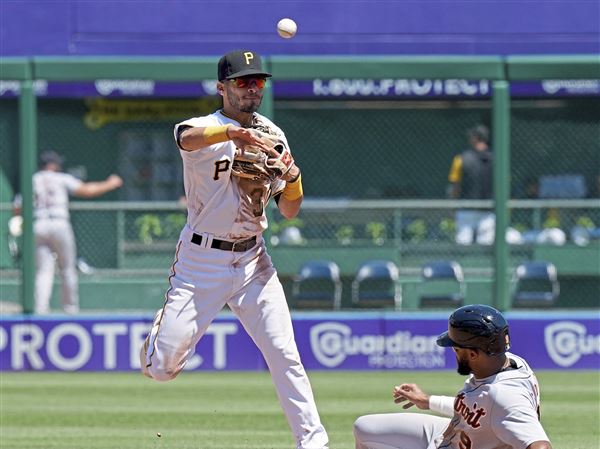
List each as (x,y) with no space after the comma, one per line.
(535,284)
(317,286)
(376,285)
(442,285)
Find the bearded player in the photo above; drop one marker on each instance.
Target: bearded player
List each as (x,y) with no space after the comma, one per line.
(498,408)
(234,161)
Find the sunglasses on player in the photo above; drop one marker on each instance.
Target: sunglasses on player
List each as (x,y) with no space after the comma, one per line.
(246,82)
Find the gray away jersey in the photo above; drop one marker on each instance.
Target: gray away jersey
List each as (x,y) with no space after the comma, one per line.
(498,412)
(51,193)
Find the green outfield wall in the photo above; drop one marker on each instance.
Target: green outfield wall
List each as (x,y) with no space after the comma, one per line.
(351,150)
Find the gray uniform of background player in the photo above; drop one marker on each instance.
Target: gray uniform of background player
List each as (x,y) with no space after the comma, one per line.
(54,238)
(497,412)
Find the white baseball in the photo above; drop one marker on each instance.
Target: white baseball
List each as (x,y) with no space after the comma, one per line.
(287,28)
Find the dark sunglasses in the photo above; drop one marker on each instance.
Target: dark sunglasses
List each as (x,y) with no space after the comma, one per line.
(246,82)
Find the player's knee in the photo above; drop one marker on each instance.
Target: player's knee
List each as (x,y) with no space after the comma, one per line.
(357,426)
(154,370)
(145,372)
(362,427)
(285,350)
(159,374)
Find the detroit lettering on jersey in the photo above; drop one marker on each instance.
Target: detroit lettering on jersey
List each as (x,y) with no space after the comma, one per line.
(471,417)
(498,412)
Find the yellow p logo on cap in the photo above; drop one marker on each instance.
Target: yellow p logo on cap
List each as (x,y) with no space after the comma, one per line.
(249,57)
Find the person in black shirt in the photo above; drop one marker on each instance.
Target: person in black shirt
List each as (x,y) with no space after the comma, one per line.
(470,178)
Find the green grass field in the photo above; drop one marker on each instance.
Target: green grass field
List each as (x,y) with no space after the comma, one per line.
(240,410)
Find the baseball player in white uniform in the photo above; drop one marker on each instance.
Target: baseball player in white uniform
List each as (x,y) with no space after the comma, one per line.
(498,408)
(54,238)
(221,256)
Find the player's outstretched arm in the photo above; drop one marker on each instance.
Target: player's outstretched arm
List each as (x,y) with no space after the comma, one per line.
(94,189)
(412,395)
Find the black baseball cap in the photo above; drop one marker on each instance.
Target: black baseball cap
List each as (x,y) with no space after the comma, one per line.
(238,63)
(481,133)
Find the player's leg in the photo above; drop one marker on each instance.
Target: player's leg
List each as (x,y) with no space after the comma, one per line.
(466,223)
(486,228)
(185,315)
(66,251)
(398,431)
(44,274)
(263,311)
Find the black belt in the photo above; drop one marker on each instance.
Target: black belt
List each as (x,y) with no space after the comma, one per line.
(240,246)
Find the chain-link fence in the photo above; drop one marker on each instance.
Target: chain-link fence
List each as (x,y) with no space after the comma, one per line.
(375,177)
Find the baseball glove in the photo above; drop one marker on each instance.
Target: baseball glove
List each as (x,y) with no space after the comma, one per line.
(254,164)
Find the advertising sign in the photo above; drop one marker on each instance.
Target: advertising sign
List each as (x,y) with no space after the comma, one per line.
(365,341)
(335,88)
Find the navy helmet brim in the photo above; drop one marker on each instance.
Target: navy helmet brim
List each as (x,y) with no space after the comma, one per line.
(445,341)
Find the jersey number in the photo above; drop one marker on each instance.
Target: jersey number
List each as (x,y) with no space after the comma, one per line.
(465,441)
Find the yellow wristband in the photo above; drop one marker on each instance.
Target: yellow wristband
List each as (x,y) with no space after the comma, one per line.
(293,190)
(215,134)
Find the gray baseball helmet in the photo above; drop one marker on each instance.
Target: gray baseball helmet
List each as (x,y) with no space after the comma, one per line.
(477,327)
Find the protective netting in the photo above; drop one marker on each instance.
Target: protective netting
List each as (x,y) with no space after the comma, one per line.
(375,178)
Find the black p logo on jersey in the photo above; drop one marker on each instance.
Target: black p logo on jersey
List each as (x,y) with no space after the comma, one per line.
(221,166)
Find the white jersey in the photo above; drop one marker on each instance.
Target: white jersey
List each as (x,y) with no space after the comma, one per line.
(498,412)
(228,207)
(51,193)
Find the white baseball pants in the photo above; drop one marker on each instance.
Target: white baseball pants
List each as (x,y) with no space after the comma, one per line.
(204,280)
(475,226)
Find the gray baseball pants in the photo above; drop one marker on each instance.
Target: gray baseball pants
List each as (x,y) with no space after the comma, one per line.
(399,431)
(55,242)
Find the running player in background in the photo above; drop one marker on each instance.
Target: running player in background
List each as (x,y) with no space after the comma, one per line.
(52,228)
(498,408)
(221,256)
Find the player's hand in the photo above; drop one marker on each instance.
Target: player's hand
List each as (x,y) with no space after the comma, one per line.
(412,395)
(114,181)
(243,137)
